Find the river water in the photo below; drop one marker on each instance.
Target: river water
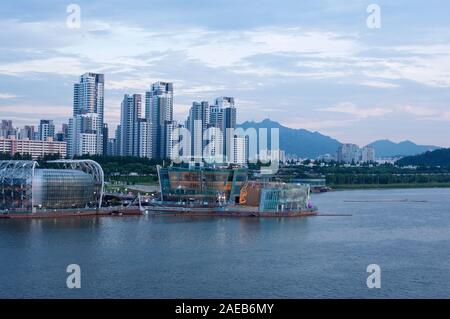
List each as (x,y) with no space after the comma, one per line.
(405,232)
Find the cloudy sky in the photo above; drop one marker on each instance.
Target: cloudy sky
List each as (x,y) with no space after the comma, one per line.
(307,64)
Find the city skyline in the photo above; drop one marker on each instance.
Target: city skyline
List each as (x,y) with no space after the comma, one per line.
(140,116)
(333,75)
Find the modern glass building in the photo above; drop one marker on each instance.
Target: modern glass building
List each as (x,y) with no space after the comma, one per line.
(286,197)
(201,186)
(60,188)
(25,188)
(16,179)
(218,187)
(276,197)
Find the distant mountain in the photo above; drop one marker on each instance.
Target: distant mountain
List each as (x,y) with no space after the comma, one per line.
(439,157)
(299,142)
(386,148)
(307,144)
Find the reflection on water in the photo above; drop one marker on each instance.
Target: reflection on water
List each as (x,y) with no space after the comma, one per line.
(197,257)
(30,225)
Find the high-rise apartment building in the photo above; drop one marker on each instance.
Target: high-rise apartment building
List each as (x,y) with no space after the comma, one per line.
(27,133)
(348,153)
(212,131)
(368,154)
(351,153)
(133,132)
(197,123)
(223,116)
(129,124)
(159,114)
(105,135)
(142,136)
(6,129)
(239,155)
(216,116)
(83,135)
(63,134)
(213,151)
(171,138)
(112,147)
(86,125)
(118,142)
(46,130)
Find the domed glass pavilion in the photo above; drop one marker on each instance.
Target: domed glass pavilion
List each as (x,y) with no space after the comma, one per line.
(26,188)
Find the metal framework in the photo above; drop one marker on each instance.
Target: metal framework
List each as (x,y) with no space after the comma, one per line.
(16,178)
(89,167)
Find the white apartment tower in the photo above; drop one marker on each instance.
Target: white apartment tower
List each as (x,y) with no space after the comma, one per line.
(239,150)
(223,116)
(86,125)
(197,123)
(129,125)
(159,115)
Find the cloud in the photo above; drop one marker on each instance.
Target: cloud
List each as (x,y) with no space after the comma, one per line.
(135,84)
(432,70)
(7,96)
(230,48)
(199,90)
(59,66)
(352,109)
(315,54)
(285,65)
(318,124)
(418,110)
(380,84)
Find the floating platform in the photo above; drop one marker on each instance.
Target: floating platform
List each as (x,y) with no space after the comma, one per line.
(106,212)
(227,211)
(162,210)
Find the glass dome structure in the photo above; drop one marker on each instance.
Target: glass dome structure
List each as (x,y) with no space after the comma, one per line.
(26,188)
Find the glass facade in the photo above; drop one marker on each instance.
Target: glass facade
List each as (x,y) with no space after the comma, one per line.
(202,186)
(15,185)
(284,198)
(59,188)
(275,197)
(25,188)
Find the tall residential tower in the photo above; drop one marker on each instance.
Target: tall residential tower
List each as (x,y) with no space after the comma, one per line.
(46,130)
(223,116)
(86,125)
(159,115)
(129,126)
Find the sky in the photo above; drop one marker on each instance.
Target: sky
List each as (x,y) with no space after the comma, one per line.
(315,64)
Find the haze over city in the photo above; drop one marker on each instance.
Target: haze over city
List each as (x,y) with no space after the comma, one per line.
(313,65)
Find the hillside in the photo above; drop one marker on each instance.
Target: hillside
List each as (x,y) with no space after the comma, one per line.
(299,142)
(307,144)
(386,148)
(440,157)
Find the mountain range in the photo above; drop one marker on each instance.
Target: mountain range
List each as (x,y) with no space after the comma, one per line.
(386,148)
(307,144)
